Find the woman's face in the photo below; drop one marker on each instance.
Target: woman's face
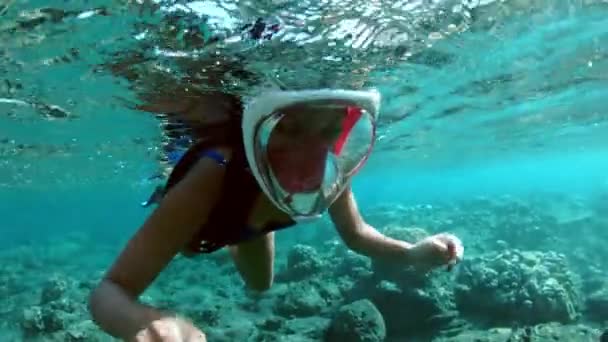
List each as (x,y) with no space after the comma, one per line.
(299,144)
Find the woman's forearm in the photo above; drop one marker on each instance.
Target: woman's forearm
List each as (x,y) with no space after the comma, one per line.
(117,313)
(376,245)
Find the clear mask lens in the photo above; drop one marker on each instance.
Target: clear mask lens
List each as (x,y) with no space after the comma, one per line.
(307,152)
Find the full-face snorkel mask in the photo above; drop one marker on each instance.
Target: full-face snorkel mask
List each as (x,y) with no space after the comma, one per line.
(303,147)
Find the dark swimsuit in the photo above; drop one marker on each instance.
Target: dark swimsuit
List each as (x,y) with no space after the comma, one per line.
(227,223)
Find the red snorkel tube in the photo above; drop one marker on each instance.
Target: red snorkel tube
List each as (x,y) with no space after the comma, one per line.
(353,114)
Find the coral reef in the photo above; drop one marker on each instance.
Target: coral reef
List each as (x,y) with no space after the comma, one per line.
(523,279)
(597,304)
(548,332)
(301,299)
(58,316)
(518,287)
(359,321)
(302,262)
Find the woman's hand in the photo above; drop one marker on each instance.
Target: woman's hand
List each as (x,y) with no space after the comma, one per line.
(170,329)
(436,251)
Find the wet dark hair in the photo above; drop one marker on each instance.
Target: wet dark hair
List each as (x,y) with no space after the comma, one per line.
(171,93)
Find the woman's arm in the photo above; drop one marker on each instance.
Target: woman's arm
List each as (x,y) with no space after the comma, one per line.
(113,304)
(433,251)
(361,237)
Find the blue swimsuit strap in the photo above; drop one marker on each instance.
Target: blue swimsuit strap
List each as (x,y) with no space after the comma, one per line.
(215,155)
(175,156)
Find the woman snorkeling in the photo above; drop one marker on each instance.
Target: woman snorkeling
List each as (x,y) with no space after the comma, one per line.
(289,156)
(255,165)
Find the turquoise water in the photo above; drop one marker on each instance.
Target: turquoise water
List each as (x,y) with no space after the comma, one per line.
(486,106)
